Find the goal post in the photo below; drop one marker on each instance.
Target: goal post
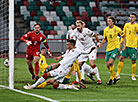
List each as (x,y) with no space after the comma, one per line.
(7,43)
(11,44)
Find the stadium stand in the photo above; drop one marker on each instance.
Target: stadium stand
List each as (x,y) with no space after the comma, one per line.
(57,16)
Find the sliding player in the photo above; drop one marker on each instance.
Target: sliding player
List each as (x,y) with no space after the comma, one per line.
(84,42)
(33,40)
(113,45)
(63,69)
(130,33)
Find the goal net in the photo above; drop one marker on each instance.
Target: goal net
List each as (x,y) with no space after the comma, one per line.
(7,43)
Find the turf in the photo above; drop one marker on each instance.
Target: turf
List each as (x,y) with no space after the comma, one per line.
(124,90)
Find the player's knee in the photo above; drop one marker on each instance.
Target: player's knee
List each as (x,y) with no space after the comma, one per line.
(121,58)
(36,59)
(55,85)
(133,61)
(93,66)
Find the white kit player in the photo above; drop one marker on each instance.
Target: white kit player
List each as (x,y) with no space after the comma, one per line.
(70,32)
(84,42)
(63,69)
(88,70)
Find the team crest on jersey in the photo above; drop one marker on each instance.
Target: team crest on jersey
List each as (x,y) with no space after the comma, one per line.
(37,53)
(40,38)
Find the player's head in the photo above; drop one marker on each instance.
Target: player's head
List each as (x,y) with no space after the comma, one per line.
(79,25)
(111,21)
(73,27)
(70,44)
(43,51)
(37,28)
(133,17)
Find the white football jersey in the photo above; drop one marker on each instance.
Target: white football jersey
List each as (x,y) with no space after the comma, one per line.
(84,39)
(70,34)
(69,57)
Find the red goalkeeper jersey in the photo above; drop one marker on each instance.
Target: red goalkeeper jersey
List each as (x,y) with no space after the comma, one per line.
(35,39)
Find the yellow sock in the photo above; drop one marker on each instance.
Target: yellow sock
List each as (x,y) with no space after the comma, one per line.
(42,85)
(113,75)
(120,67)
(110,70)
(134,66)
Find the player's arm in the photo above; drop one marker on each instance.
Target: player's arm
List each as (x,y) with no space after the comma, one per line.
(104,40)
(25,38)
(47,46)
(124,37)
(97,39)
(58,58)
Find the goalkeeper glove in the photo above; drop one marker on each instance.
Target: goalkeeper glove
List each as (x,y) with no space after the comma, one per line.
(49,52)
(28,42)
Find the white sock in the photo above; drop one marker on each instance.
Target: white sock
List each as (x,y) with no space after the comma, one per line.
(39,81)
(82,73)
(97,74)
(77,79)
(64,86)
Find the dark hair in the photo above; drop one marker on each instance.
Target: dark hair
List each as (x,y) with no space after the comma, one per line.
(37,24)
(43,48)
(73,42)
(133,13)
(112,18)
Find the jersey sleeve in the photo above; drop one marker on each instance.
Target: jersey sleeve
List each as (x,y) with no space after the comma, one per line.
(120,32)
(124,30)
(104,35)
(137,28)
(89,32)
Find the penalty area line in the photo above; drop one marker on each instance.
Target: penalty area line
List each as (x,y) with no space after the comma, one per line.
(31,94)
(99,100)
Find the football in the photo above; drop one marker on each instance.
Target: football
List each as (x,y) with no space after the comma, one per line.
(6,63)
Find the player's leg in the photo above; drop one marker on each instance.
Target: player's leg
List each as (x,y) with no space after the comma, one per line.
(124,54)
(44,84)
(92,58)
(58,85)
(36,59)
(29,58)
(67,77)
(120,66)
(82,59)
(113,54)
(110,67)
(30,67)
(89,71)
(133,57)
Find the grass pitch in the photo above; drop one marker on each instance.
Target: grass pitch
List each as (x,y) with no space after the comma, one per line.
(124,90)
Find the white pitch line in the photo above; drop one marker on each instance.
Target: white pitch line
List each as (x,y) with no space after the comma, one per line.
(99,100)
(128,74)
(26,93)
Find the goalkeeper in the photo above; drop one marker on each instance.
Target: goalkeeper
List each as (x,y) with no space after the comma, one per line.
(33,40)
